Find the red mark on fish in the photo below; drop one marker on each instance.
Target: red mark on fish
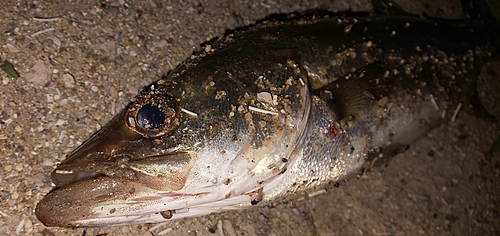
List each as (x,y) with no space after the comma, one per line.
(334,130)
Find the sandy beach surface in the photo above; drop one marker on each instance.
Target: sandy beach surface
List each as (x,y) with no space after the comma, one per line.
(82,61)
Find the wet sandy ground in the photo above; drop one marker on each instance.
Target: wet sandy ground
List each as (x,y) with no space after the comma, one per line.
(82,61)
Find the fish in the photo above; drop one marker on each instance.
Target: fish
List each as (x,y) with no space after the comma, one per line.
(283,106)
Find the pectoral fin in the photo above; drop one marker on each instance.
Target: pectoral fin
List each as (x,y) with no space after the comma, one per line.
(355,94)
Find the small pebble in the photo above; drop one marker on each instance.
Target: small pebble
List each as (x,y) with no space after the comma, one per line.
(119,60)
(133,90)
(60,122)
(19,166)
(113,92)
(55,40)
(20,226)
(38,74)
(159,45)
(241,108)
(111,45)
(7,121)
(12,48)
(94,88)
(8,168)
(208,48)
(14,195)
(228,228)
(264,97)
(28,226)
(47,162)
(219,227)
(68,80)
(63,102)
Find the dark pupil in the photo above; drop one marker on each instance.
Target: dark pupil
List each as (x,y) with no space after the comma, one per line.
(150,117)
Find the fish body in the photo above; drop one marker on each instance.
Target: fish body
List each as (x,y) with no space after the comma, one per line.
(262,114)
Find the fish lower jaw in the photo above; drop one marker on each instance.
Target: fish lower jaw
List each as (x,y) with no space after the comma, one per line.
(193,203)
(157,216)
(153,212)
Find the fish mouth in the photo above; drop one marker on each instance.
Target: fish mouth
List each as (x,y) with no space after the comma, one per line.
(106,201)
(88,190)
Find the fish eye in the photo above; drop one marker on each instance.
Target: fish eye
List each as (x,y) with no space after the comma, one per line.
(152,115)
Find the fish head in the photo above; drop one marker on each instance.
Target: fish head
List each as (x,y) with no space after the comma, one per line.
(131,147)
(201,140)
